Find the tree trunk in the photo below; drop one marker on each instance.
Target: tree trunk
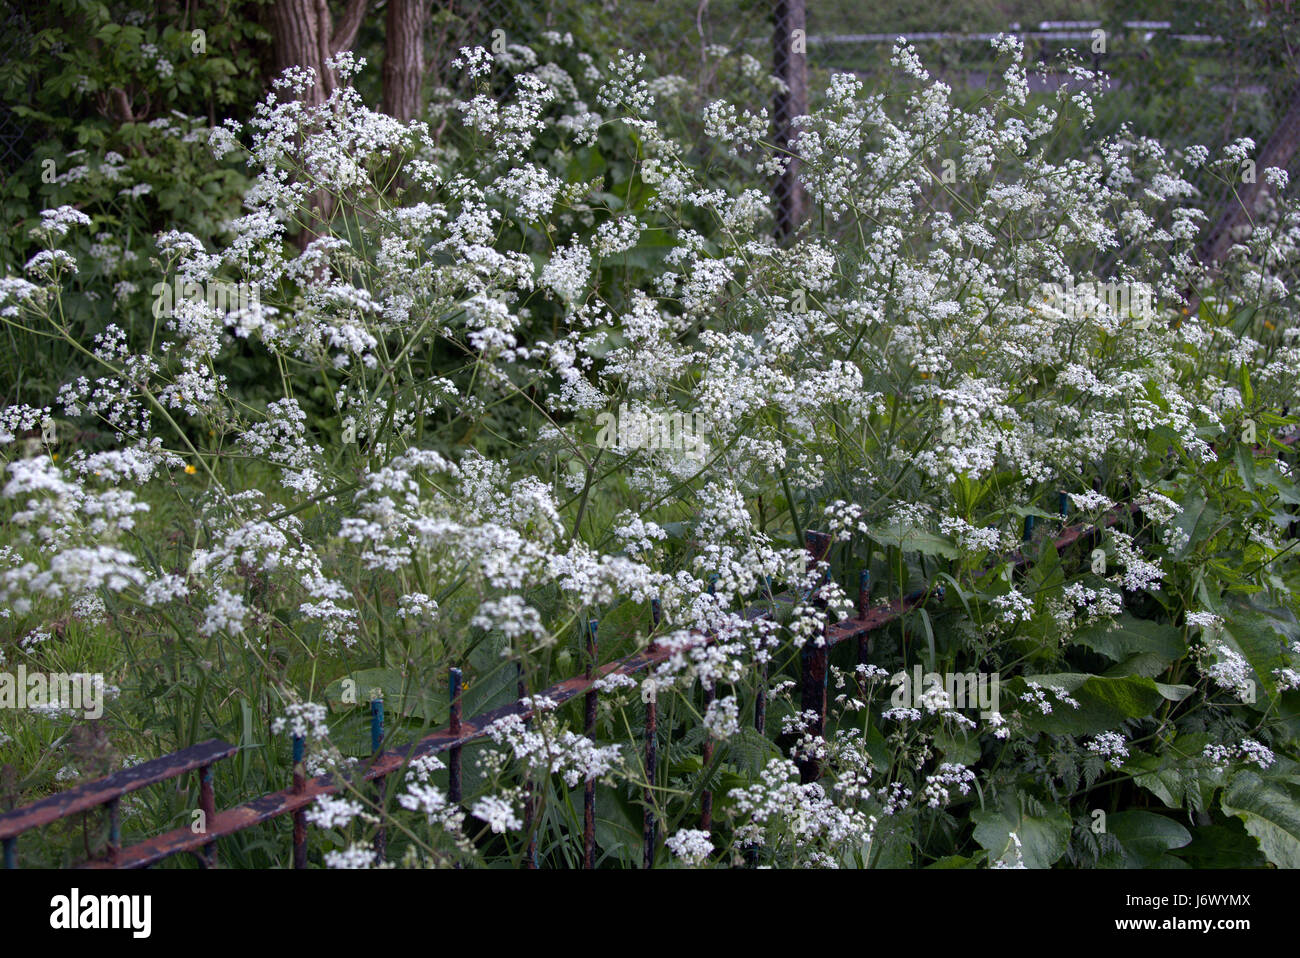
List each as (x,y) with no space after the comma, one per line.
(305,36)
(1278,151)
(404,57)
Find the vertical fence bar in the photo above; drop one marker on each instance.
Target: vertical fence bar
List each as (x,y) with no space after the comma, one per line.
(299,816)
(813,661)
(11,852)
(453,753)
(208,806)
(381,785)
(864,641)
(530,808)
(114,806)
(589,790)
(813,698)
(650,824)
(706,796)
(706,751)
(790,65)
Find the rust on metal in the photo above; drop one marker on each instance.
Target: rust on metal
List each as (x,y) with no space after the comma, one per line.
(207,805)
(300,814)
(460,732)
(650,826)
(101,791)
(706,796)
(453,755)
(381,783)
(114,828)
(589,790)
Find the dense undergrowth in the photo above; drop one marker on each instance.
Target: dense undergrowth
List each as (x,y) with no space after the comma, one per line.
(368,459)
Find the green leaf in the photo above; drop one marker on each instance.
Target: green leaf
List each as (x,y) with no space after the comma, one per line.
(1130,636)
(954,861)
(1146,837)
(1175,693)
(910,539)
(1270,810)
(1104,702)
(1177,774)
(1244,457)
(1222,846)
(1197,522)
(1255,636)
(1043,838)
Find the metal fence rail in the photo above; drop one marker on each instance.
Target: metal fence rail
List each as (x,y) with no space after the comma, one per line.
(294,800)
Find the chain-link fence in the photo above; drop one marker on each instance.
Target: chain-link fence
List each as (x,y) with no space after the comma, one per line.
(1202,74)
(17,138)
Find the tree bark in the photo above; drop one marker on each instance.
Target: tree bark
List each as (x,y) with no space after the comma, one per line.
(1278,151)
(404,57)
(305,36)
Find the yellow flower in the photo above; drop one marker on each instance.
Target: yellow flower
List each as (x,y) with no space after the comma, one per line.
(190,470)
(54,457)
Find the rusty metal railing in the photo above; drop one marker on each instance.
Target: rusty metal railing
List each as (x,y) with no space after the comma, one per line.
(293,801)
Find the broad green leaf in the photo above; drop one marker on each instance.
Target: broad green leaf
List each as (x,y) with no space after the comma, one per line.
(1197,521)
(1175,693)
(911,539)
(1222,846)
(1146,838)
(954,861)
(1043,839)
(1178,774)
(1104,702)
(1129,636)
(1255,636)
(1270,810)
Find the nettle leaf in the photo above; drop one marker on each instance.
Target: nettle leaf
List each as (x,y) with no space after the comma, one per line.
(957,746)
(1147,837)
(1270,810)
(1259,639)
(1043,835)
(1175,693)
(1128,637)
(910,539)
(1197,521)
(1147,664)
(1222,846)
(1104,702)
(1177,774)
(892,848)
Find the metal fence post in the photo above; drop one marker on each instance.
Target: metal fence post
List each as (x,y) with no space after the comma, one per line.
(589,790)
(790,65)
(453,753)
(381,784)
(299,816)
